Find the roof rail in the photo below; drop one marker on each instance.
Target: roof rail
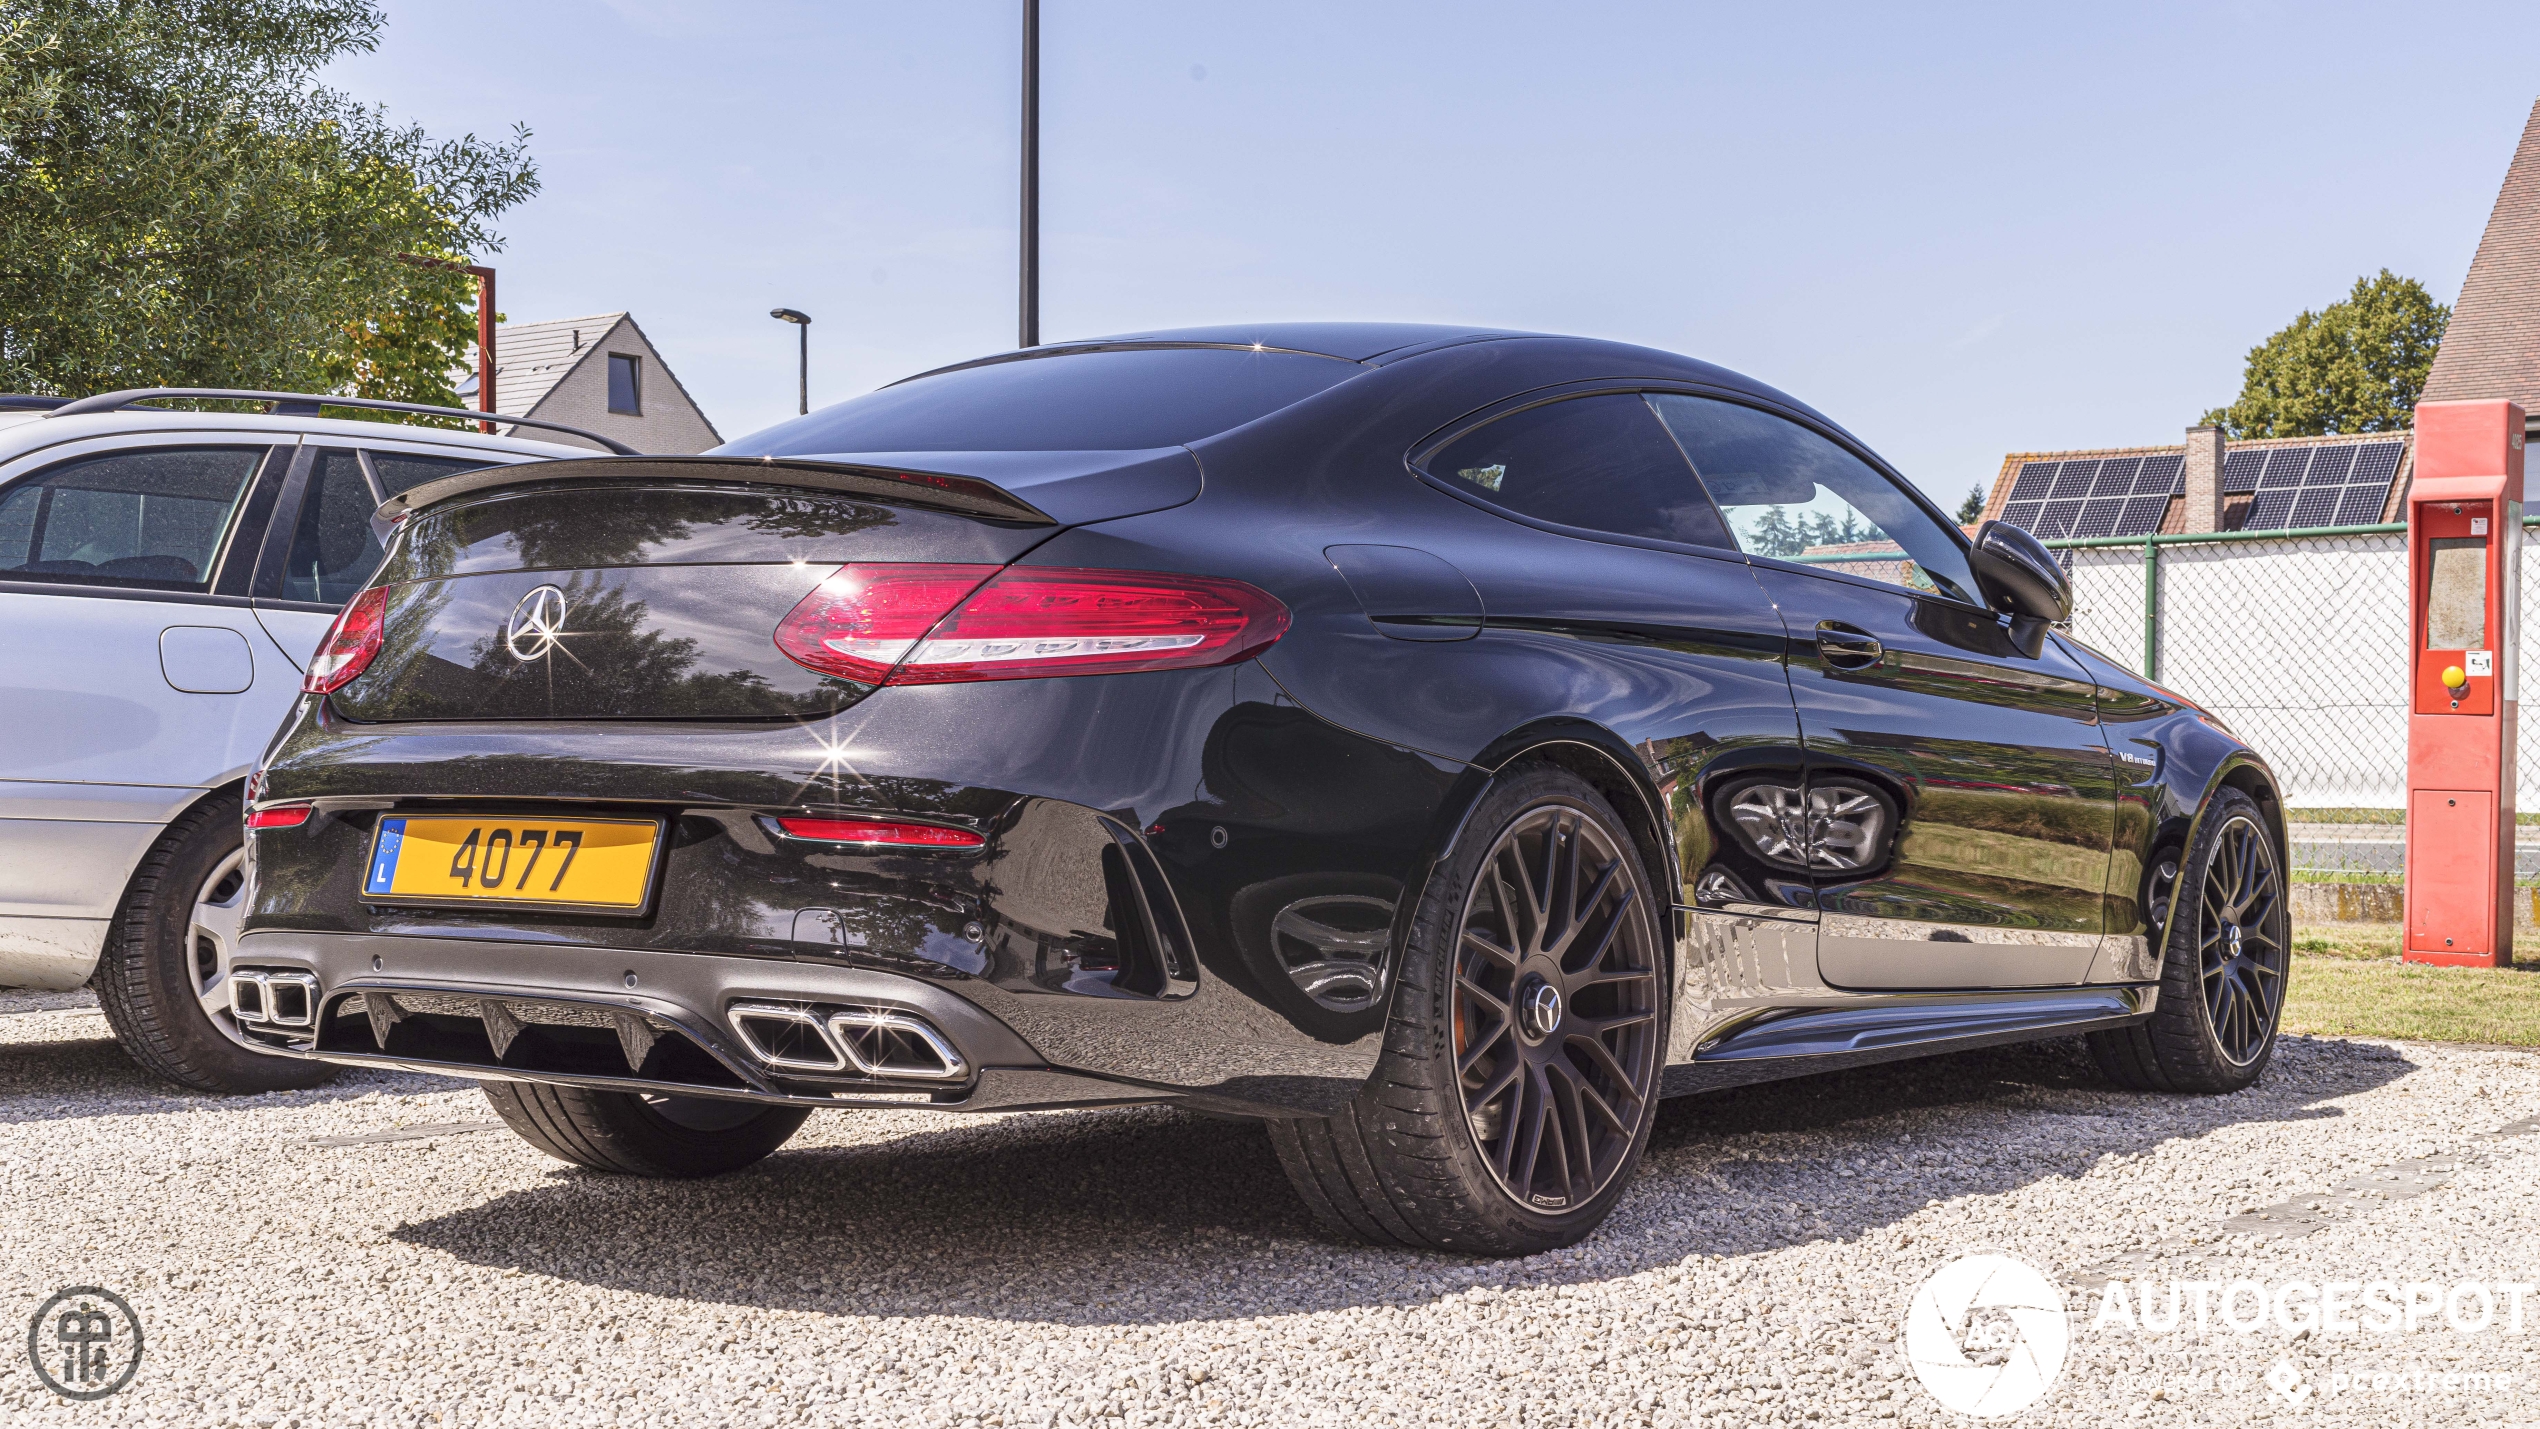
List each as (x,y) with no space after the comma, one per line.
(22,402)
(306,404)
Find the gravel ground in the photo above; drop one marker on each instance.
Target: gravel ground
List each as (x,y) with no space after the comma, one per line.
(375,1253)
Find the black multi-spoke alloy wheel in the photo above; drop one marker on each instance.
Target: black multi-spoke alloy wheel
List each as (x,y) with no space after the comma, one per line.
(1520,1070)
(2228,948)
(640,1135)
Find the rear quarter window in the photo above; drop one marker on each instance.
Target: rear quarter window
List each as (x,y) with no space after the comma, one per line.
(1125,400)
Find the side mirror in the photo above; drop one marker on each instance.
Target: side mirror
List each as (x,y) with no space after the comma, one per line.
(2019,576)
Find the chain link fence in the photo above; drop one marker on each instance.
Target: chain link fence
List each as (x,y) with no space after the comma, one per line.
(2299,642)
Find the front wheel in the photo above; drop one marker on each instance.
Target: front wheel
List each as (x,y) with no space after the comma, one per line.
(2228,947)
(639,1134)
(1519,1078)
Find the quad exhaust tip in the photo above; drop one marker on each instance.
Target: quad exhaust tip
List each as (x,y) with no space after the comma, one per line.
(263,998)
(872,1041)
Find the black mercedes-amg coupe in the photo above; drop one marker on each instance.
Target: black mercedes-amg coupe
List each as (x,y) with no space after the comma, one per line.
(1437,744)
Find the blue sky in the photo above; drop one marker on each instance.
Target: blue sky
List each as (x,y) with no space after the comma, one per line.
(1957,232)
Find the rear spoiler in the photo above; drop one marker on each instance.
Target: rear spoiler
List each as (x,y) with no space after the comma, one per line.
(1030,488)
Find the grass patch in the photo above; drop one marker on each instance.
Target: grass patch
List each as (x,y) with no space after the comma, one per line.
(2369,816)
(2348,982)
(2346,875)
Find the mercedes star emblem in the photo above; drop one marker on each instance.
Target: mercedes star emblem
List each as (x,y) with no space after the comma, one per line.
(537,623)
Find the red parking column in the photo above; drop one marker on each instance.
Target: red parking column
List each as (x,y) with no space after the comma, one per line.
(2464,613)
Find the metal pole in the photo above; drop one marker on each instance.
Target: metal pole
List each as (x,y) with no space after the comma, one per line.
(1029,324)
(803,373)
(2151,607)
(484,343)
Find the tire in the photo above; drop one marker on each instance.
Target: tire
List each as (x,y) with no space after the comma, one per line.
(632,1134)
(1480,1076)
(2228,951)
(159,979)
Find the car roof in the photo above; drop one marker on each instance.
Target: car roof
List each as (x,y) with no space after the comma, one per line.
(25,431)
(1356,342)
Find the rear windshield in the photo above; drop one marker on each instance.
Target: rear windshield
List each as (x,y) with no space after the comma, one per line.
(1085,401)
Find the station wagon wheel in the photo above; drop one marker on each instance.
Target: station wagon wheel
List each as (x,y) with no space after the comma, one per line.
(1555,1006)
(2240,948)
(213,931)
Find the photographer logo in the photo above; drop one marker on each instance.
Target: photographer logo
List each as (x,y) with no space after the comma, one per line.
(85,1342)
(1986,1335)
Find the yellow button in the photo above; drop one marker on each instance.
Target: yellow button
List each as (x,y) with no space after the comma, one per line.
(2454,676)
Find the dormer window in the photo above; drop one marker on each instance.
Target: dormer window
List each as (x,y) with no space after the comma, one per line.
(626,384)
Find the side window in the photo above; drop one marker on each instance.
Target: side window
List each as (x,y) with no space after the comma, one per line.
(400,472)
(1601,463)
(151,519)
(333,550)
(1793,495)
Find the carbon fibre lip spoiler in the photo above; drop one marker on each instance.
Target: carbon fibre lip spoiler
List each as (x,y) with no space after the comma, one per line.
(1057,488)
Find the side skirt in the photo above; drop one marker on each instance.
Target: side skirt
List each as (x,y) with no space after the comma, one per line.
(1799,1042)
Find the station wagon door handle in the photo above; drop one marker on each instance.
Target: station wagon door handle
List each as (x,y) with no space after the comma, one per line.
(1846,648)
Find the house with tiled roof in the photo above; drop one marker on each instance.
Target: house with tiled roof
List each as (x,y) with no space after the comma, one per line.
(598,373)
(2492,348)
(2205,483)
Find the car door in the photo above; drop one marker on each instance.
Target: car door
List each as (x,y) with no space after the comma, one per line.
(1630,593)
(1961,797)
(130,678)
(325,542)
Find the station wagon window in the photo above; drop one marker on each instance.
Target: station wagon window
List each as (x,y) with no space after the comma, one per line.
(1794,495)
(151,519)
(401,472)
(333,550)
(1601,463)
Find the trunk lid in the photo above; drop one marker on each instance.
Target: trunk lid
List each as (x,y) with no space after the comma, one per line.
(653,588)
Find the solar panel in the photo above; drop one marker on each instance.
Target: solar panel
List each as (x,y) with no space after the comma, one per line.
(2284,467)
(2072,480)
(2142,516)
(2098,518)
(2239,473)
(2022,514)
(2036,478)
(2057,519)
(2162,476)
(2329,484)
(2116,476)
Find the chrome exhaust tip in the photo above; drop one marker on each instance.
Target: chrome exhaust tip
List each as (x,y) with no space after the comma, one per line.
(869,1041)
(260,997)
(896,1044)
(781,1035)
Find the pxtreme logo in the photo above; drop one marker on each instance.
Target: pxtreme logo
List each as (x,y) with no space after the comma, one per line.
(1986,1334)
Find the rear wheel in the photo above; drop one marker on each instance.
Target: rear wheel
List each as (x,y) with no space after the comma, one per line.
(2228,948)
(1519,1077)
(640,1134)
(162,980)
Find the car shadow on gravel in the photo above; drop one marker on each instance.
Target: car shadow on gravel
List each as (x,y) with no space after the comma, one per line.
(73,1078)
(1147,1215)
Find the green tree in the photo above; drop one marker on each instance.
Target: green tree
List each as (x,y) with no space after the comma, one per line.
(1972,507)
(2355,366)
(1775,534)
(182,204)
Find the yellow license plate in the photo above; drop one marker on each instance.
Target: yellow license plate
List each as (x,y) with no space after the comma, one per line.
(599,865)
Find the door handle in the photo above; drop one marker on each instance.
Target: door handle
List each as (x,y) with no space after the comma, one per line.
(1846,648)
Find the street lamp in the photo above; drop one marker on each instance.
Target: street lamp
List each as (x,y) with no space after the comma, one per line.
(802,323)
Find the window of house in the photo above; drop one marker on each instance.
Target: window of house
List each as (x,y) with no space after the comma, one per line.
(626,384)
(150,518)
(1601,463)
(1794,495)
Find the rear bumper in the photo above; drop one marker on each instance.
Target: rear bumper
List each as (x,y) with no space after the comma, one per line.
(652,1021)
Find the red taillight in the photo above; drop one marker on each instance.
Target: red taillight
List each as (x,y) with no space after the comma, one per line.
(865,618)
(280,816)
(888,625)
(350,644)
(879,831)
